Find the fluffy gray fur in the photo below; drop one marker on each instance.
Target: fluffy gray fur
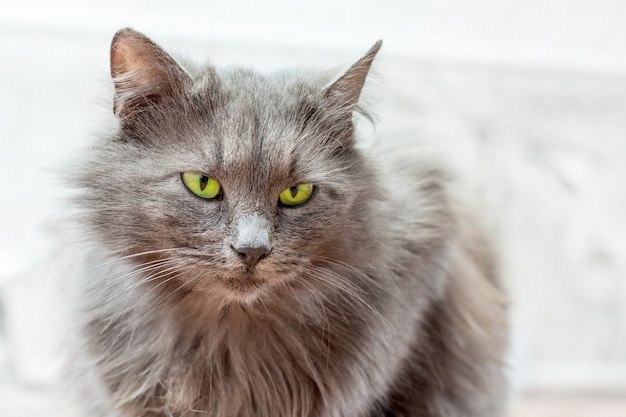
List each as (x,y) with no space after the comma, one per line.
(379,296)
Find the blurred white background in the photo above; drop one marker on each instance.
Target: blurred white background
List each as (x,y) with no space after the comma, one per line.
(527,98)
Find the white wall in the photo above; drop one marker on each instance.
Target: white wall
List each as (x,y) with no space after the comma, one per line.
(527,97)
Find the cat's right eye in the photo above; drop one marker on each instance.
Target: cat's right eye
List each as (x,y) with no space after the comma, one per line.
(201,184)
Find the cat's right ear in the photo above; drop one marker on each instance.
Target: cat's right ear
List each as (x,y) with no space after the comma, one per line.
(142,72)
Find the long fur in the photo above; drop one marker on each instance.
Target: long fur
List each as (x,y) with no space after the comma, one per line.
(380,296)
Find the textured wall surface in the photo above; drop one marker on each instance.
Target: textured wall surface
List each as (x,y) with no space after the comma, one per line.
(527,99)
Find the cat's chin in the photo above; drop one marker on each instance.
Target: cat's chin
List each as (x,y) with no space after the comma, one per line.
(245,284)
(246,289)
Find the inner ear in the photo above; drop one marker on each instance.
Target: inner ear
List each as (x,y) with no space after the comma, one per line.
(142,72)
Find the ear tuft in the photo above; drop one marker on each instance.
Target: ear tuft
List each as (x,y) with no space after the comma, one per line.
(142,73)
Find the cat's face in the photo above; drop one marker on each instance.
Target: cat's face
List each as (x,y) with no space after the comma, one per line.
(234,183)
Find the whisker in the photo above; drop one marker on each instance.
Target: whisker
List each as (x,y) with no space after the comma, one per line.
(165,299)
(131,256)
(134,269)
(152,277)
(340,282)
(190,280)
(347,290)
(357,273)
(326,326)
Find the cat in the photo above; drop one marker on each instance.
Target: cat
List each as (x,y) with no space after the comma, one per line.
(247,258)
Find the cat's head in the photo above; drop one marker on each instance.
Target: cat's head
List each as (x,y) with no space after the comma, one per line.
(230,181)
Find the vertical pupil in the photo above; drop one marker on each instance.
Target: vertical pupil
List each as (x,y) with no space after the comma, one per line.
(204,180)
(294,191)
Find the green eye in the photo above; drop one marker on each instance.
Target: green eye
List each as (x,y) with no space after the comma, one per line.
(201,185)
(296,195)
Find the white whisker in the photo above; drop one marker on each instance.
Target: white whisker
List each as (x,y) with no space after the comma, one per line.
(131,256)
(326,325)
(134,270)
(347,290)
(354,271)
(152,277)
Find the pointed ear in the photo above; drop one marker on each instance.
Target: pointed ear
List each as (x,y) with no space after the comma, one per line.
(345,92)
(142,72)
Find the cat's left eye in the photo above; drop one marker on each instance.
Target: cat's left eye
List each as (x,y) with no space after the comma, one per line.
(297,194)
(201,185)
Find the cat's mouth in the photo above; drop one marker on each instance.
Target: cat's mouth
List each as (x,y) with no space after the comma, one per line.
(248,285)
(245,289)
(251,286)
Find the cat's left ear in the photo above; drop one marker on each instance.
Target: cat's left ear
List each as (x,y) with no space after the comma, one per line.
(345,92)
(142,72)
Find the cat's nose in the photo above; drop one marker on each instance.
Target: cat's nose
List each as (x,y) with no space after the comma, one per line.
(251,255)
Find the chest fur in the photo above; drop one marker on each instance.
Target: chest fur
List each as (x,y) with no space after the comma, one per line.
(231,365)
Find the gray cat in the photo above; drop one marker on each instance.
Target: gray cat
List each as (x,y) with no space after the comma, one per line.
(248,260)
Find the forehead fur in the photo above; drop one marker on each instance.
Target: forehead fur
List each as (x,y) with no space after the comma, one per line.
(236,122)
